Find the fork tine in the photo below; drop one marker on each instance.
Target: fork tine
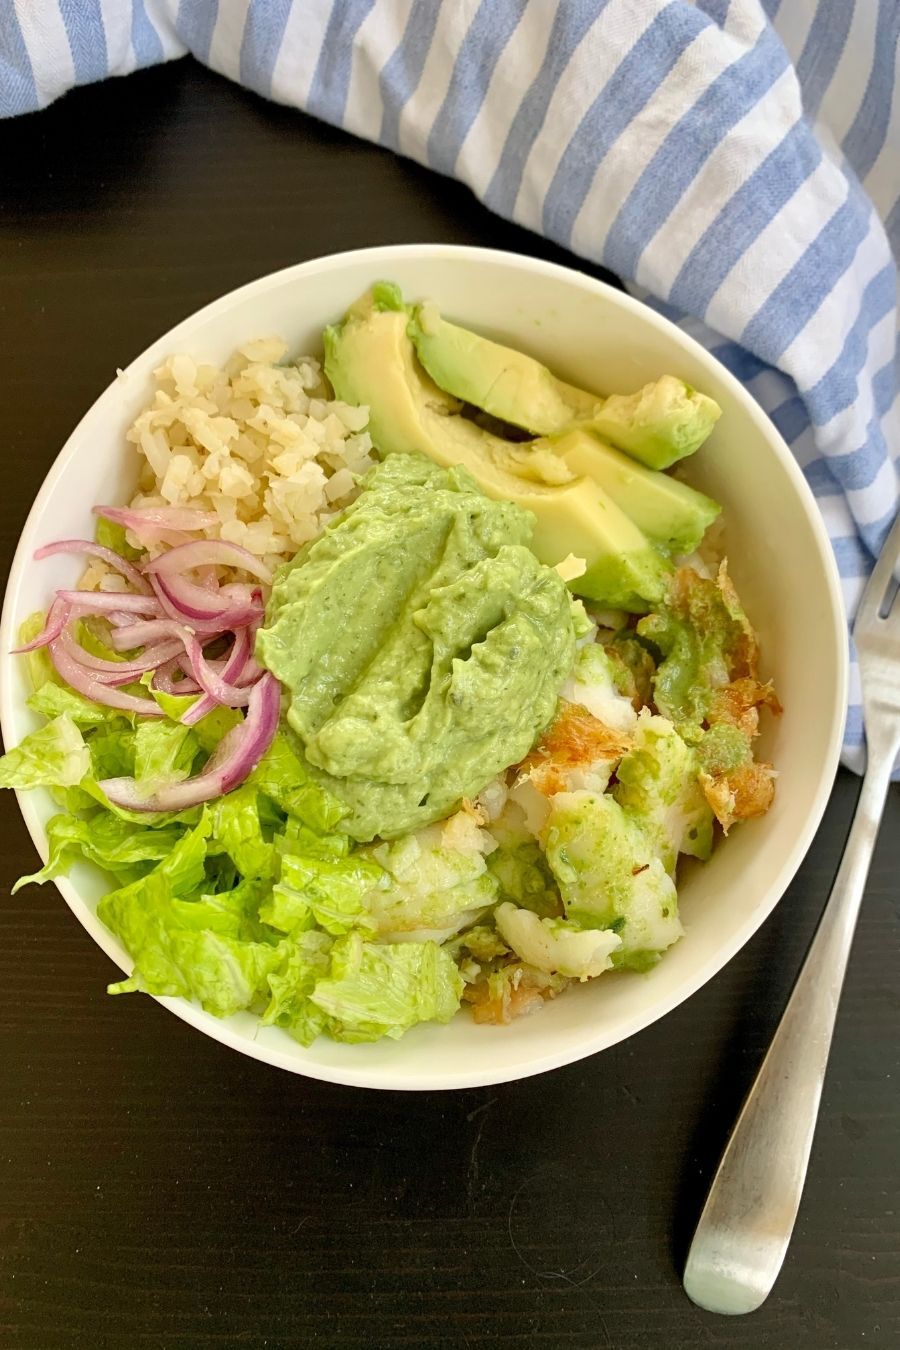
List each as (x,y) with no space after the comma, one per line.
(877,585)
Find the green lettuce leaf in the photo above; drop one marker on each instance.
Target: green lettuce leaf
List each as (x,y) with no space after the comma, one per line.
(92,633)
(215,725)
(54,755)
(305,959)
(187,949)
(243,900)
(183,942)
(164,753)
(383,990)
(41,669)
(299,838)
(73,800)
(237,827)
(182,870)
(112,750)
(282,775)
(436,882)
(121,745)
(173,705)
(112,535)
(324,891)
(210,729)
(117,845)
(51,699)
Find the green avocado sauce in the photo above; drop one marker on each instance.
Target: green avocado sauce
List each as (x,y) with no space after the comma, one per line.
(421,645)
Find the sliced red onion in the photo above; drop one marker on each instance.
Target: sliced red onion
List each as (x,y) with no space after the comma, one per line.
(164,679)
(86,682)
(251,672)
(203,552)
(165,517)
(144,632)
(111,678)
(214,685)
(231,672)
(249,675)
(200,609)
(106,602)
(238,668)
(197,602)
(58,616)
(236,756)
(176,611)
(115,560)
(148,660)
(165,619)
(185,665)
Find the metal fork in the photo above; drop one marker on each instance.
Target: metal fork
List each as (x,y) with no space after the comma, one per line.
(746,1224)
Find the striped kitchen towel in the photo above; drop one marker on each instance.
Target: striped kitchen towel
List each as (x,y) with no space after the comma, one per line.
(736,162)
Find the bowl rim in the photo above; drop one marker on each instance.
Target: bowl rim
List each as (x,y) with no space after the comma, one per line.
(393,1079)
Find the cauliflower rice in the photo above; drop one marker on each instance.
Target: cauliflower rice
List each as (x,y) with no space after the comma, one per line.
(259,442)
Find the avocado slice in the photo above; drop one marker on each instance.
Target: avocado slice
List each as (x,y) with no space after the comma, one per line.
(370,360)
(671,514)
(499,380)
(663,422)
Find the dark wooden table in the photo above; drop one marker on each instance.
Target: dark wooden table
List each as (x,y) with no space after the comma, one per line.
(157,1190)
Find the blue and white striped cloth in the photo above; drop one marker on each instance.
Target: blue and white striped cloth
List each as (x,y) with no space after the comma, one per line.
(737,162)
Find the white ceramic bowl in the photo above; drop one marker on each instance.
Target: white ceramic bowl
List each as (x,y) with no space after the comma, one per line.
(779,556)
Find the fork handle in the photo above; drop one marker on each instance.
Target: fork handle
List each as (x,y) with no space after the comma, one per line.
(747,1221)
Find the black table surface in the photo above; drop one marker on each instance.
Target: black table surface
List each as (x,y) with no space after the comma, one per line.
(157,1189)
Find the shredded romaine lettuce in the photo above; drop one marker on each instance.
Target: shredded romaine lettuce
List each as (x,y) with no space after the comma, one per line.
(53,756)
(102,838)
(112,535)
(329,892)
(377,990)
(254,901)
(237,826)
(282,775)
